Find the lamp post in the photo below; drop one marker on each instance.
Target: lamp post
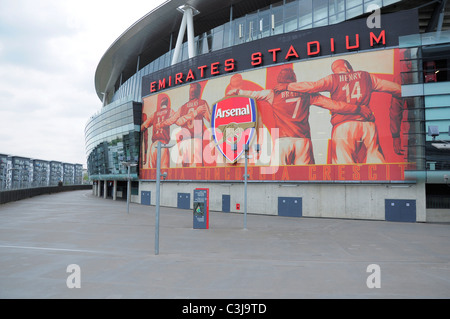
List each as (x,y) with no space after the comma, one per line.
(246,148)
(128,165)
(246,176)
(158,192)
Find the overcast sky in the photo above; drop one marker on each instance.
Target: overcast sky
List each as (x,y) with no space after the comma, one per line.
(49,51)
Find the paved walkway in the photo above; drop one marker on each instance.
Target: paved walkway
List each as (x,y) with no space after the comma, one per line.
(276,257)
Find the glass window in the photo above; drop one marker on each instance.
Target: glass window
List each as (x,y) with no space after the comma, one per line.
(291,17)
(336,11)
(354,8)
(368,3)
(436,63)
(252,29)
(277,20)
(202,44)
(264,21)
(217,39)
(239,31)
(388,2)
(320,12)
(227,32)
(305,14)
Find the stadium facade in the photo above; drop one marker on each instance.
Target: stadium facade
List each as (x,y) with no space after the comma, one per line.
(334,108)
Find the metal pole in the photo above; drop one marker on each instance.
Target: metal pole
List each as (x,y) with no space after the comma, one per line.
(128,190)
(245,191)
(158,179)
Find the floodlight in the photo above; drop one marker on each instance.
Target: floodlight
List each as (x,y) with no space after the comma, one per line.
(433,130)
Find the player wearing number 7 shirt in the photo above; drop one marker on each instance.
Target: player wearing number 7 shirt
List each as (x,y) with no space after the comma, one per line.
(291,117)
(354,138)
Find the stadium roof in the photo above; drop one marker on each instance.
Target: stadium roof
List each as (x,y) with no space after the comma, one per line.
(149,38)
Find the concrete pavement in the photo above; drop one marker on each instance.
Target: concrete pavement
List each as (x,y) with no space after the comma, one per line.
(276,257)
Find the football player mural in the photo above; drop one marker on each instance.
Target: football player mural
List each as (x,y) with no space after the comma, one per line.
(160,132)
(354,137)
(190,118)
(327,119)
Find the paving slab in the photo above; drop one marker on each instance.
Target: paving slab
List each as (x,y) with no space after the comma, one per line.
(275,257)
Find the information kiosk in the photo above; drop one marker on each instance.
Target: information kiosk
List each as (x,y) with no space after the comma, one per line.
(201,208)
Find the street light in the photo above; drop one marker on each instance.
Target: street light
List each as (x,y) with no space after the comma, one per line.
(158,191)
(246,149)
(128,165)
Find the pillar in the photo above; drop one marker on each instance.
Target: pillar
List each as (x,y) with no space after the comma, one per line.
(115,190)
(186,22)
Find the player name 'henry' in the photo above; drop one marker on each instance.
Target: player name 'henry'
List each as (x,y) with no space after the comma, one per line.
(233,112)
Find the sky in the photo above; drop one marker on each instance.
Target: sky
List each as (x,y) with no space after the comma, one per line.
(49,52)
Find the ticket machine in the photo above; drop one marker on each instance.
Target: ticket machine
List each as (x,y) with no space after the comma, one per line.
(201,208)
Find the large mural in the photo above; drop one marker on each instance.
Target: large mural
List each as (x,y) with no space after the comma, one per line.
(326,119)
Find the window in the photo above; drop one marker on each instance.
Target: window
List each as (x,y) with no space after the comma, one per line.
(436,63)
(239,30)
(320,13)
(291,17)
(336,11)
(277,20)
(217,38)
(305,14)
(354,8)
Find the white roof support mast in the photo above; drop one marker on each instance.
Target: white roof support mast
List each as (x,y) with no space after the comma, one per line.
(188,21)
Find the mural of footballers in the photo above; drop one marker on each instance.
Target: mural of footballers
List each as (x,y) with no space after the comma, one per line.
(160,132)
(354,137)
(290,115)
(144,132)
(190,118)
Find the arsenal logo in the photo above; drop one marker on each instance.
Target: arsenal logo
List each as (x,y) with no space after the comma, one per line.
(233,125)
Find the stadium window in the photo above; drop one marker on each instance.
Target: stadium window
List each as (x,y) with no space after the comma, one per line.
(291,17)
(305,14)
(354,8)
(277,20)
(336,11)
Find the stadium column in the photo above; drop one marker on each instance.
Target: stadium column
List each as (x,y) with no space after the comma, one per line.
(99,185)
(105,188)
(115,190)
(190,32)
(186,22)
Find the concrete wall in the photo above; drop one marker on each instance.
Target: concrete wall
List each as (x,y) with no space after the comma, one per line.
(438,215)
(355,201)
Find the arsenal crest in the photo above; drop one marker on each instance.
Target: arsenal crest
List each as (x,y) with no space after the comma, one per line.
(233,125)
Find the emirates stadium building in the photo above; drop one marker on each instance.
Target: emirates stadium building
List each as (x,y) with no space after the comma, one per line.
(301,108)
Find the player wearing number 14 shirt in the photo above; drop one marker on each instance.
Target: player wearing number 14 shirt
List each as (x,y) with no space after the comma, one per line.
(291,117)
(354,138)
